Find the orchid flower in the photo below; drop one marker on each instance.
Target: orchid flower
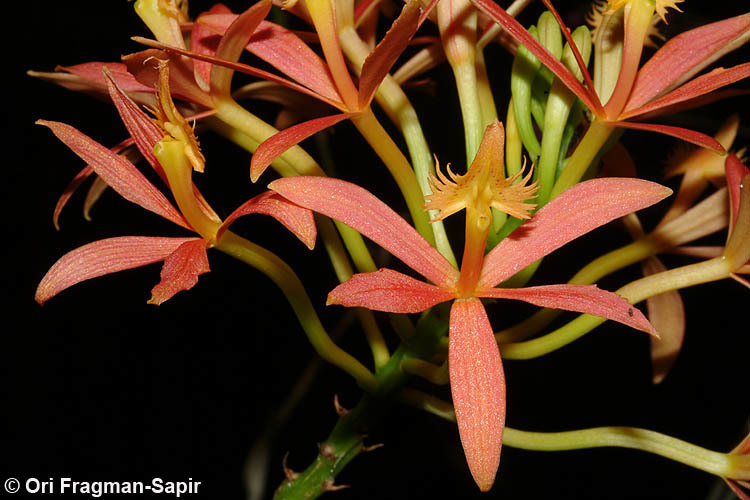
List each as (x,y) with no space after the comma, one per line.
(657,88)
(476,373)
(170,146)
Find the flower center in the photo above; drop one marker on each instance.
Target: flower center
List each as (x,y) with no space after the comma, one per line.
(484,186)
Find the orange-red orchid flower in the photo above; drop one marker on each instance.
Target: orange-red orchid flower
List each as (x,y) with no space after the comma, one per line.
(658,87)
(476,373)
(172,151)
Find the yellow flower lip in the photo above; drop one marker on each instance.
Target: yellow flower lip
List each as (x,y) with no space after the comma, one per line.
(484,185)
(661,6)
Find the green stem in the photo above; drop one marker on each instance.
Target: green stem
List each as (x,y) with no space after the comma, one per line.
(337,255)
(234,115)
(673,279)
(468,96)
(285,278)
(720,464)
(399,167)
(396,104)
(591,273)
(593,140)
(622,437)
(346,440)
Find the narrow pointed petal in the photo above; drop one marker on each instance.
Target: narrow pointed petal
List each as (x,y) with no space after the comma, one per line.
(141,128)
(737,251)
(573,213)
(274,146)
(697,87)
(576,53)
(96,190)
(298,220)
(477,388)
(704,218)
(233,43)
(285,51)
(696,102)
(90,78)
(104,257)
(737,489)
(69,190)
(685,55)
(235,66)
(182,84)
(359,209)
(586,299)
(700,252)
(691,136)
(204,40)
(389,291)
(181,270)
(381,59)
(78,180)
(146,134)
(735,171)
(118,173)
(519,33)
(666,312)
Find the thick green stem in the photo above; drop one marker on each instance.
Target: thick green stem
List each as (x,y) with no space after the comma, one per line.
(346,440)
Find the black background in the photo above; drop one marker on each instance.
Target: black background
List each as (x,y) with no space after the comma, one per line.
(98,385)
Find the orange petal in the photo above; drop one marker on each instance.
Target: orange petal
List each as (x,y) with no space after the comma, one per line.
(233,43)
(359,209)
(298,220)
(573,213)
(104,257)
(389,291)
(381,59)
(118,173)
(695,88)
(691,136)
(146,134)
(285,51)
(684,55)
(274,146)
(735,171)
(478,388)
(181,270)
(204,40)
(737,250)
(667,313)
(234,66)
(182,84)
(578,298)
(139,125)
(87,77)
